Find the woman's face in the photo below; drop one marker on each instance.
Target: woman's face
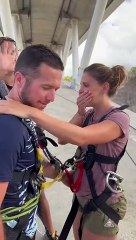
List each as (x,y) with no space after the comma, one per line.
(90,85)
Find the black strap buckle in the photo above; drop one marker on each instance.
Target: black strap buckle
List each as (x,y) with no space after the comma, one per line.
(89,207)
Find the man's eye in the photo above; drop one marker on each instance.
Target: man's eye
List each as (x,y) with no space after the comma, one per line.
(45,88)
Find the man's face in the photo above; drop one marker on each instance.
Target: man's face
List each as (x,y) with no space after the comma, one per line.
(41,90)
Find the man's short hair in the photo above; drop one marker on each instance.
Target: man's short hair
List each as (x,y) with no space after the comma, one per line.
(7,39)
(33,56)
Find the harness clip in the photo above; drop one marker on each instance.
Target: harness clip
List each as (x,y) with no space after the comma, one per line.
(113,181)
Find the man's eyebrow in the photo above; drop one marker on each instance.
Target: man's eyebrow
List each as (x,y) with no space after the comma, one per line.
(49,86)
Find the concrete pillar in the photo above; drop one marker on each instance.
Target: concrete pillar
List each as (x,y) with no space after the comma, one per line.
(67,46)
(1,35)
(6,18)
(92,34)
(17,31)
(75,56)
(59,50)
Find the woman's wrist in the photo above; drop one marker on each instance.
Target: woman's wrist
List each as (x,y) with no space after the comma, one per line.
(81,114)
(31,112)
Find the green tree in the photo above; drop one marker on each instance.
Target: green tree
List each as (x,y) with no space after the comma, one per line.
(68,78)
(132,73)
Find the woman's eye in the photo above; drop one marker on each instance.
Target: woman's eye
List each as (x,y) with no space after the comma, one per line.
(85,85)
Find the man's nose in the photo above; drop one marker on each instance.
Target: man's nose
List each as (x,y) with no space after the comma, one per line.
(51,95)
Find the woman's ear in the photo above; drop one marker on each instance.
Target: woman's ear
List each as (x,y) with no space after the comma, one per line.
(106,87)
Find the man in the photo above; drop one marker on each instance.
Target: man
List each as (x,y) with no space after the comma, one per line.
(8,58)
(38,74)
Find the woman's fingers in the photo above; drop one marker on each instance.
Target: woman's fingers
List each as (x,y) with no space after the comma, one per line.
(84,99)
(83,96)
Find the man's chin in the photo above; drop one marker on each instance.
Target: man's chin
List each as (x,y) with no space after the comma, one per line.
(38,106)
(42,107)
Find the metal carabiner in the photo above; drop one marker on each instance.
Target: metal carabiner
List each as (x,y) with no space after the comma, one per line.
(113,181)
(39,179)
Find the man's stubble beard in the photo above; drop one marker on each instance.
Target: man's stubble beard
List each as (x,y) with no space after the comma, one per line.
(25,99)
(24,96)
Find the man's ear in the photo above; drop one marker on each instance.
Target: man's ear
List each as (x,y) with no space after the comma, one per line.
(106,87)
(19,80)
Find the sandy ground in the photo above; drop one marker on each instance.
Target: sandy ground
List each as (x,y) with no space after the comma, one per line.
(60,197)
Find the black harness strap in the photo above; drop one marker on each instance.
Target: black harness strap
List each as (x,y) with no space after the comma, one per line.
(104,159)
(89,162)
(100,202)
(87,120)
(69,221)
(21,176)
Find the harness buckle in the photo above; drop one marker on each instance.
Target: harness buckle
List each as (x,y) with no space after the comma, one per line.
(81,158)
(113,181)
(79,155)
(37,180)
(73,161)
(68,163)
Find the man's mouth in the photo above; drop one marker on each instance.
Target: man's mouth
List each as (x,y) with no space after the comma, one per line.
(44,104)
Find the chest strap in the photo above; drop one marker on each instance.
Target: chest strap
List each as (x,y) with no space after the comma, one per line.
(21,176)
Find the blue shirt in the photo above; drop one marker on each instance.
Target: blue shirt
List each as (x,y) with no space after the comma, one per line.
(16,153)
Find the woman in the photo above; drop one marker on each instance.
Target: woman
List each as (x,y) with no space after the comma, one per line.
(103,129)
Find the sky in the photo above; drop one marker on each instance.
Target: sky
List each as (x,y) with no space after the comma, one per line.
(116,40)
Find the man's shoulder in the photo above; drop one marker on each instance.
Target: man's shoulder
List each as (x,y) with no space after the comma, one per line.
(10,119)
(12,124)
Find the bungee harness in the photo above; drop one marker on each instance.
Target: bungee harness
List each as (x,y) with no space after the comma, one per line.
(85,161)
(36,182)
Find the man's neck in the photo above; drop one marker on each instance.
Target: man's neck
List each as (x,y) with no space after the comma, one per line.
(14,95)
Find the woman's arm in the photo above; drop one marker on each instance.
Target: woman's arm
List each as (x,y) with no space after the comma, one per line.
(78,120)
(100,133)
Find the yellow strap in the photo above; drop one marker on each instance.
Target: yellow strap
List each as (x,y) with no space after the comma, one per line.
(40,155)
(47,185)
(54,235)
